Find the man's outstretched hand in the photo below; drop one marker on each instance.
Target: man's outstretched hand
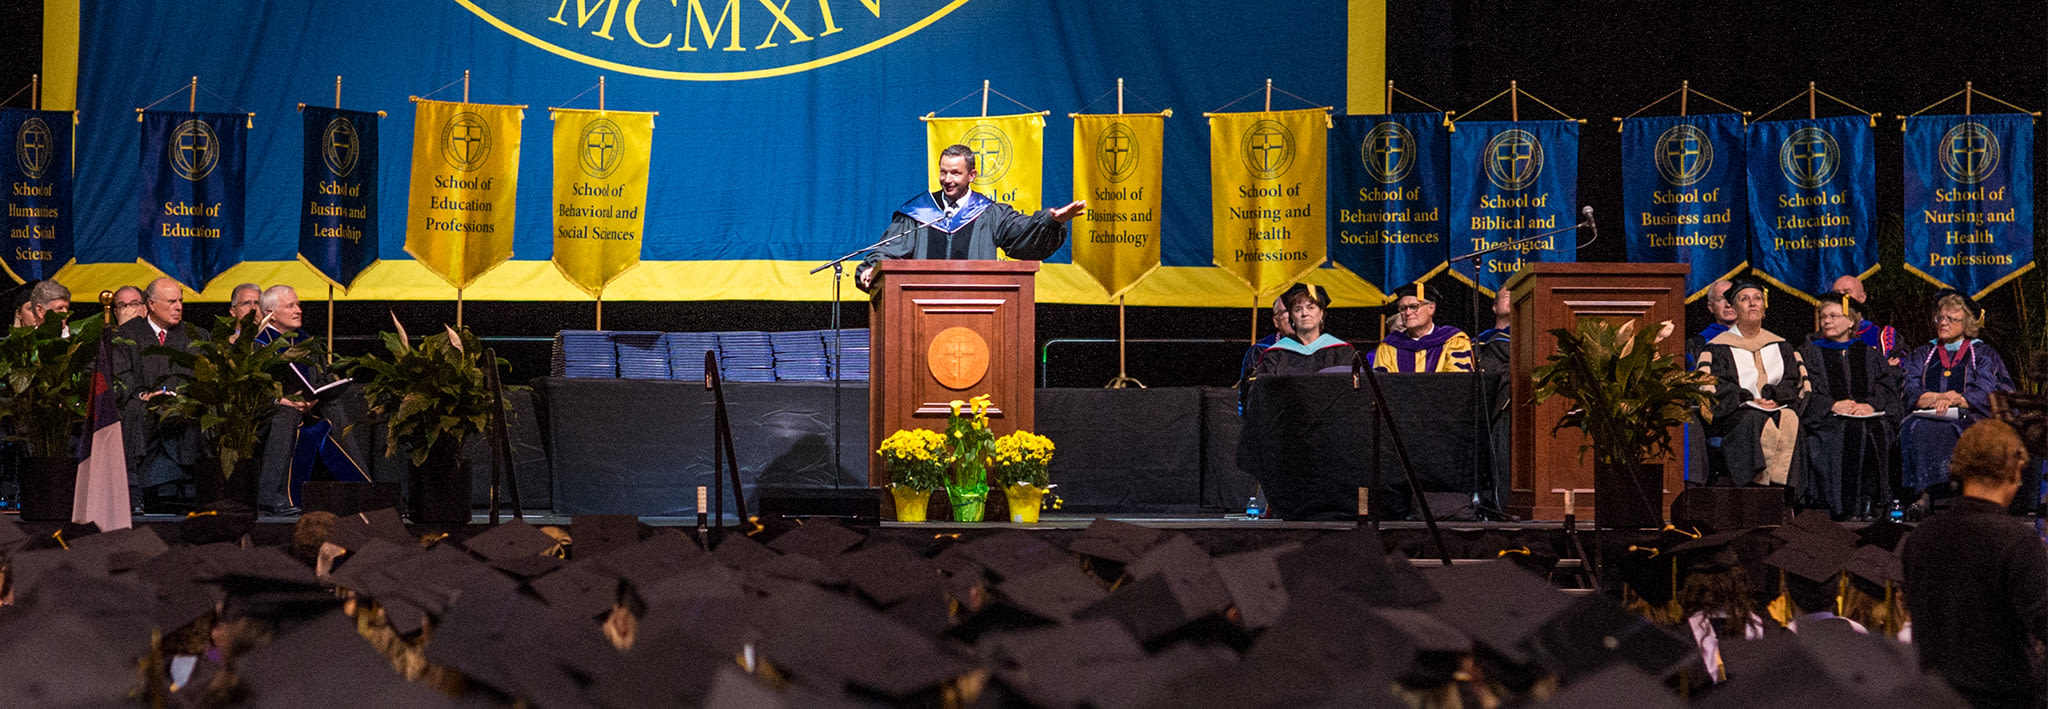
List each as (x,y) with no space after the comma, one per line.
(1067,213)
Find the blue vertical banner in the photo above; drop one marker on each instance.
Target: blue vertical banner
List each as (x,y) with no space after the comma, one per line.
(1813,201)
(194,183)
(1683,195)
(38,179)
(338,227)
(1387,194)
(1969,207)
(1512,180)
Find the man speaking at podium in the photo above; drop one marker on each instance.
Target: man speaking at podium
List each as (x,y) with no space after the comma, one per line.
(959,223)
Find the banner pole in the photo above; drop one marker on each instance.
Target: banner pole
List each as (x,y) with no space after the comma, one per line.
(1811,113)
(600,310)
(1684,92)
(1119,95)
(35,91)
(1514,101)
(330,286)
(1389,105)
(1969,91)
(192,103)
(984,98)
(600,93)
(458,289)
(1269,107)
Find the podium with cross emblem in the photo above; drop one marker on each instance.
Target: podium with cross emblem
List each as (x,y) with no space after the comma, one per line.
(944,330)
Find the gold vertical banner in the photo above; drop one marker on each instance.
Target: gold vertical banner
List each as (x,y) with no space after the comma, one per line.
(1268,172)
(601,166)
(1009,154)
(465,177)
(1118,163)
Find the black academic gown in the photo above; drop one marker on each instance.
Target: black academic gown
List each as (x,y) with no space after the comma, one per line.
(169,449)
(290,431)
(978,226)
(1846,457)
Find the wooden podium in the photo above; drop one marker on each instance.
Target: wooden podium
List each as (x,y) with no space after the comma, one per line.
(1549,296)
(946,330)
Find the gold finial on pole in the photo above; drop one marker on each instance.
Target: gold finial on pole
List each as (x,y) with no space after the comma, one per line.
(1684,92)
(1811,92)
(35,91)
(192,104)
(465,99)
(600,93)
(984,98)
(1119,95)
(1269,107)
(1969,92)
(1514,101)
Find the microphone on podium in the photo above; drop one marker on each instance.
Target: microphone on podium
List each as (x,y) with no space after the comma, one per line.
(1586,217)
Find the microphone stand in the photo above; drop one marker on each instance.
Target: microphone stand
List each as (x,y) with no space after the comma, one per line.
(838,267)
(1484,429)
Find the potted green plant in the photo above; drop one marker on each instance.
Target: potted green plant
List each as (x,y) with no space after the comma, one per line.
(915,459)
(968,435)
(48,384)
(1022,464)
(1626,397)
(231,395)
(429,398)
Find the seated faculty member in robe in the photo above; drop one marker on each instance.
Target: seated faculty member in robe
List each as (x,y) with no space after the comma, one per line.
(1309,349)
(306,429)
(1850,416)
(1759,386)
(1883,337)
(958,223)
(159,452)
(1948,386)
(1420,344)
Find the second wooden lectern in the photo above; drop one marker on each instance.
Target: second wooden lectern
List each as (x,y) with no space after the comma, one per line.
(947,330)
(1550,296)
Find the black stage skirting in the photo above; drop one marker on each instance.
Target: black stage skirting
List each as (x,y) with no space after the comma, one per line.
(619,446)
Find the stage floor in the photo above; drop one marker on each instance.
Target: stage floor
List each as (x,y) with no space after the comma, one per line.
(1046,521)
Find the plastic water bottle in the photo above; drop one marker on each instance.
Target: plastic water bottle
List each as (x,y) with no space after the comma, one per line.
(1898,513)
(1255,508)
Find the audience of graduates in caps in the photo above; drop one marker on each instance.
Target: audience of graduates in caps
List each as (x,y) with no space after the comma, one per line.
(304,439)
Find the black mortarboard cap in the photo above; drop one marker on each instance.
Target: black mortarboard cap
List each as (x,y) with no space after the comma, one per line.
(124,548)
(1739,284)
(1320,294)
(1355,561)
(577,591)
(1253,581)
(1595,632)
(1188,572)
(869,651)
(649,561)
(1014,552)
(1052,649)
(219,521)
(1417,290)
(512,540)
(180,604)
(595,535)
(26,568)
(1970,304)
(799,567)
(1875,565)
(704,579)
(742,552)
(1774,670)
(1884,534)
(1147,607)
(1054,592)
(818,538)
(1618,686)
(353,531)
(887,573)
(1811,556)
(323,662)
(1499,604)
(1814,526)
(498,637)
(1112,540)
(55,659)
(733,688)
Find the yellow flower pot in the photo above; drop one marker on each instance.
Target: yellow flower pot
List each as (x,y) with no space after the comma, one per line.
(1024,500)
(910,503)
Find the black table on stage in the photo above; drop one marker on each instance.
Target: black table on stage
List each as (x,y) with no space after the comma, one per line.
(625,446)
(1310,441)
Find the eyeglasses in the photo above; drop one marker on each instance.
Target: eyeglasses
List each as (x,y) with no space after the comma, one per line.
(136,304)
(1946,319)
(1411,307)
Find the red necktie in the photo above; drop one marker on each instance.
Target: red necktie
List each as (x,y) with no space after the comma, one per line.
(160,336)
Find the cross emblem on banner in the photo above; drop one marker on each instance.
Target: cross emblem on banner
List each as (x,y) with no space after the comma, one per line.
(988,154)
(1969,151)
(1685,153)
(1387,149)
